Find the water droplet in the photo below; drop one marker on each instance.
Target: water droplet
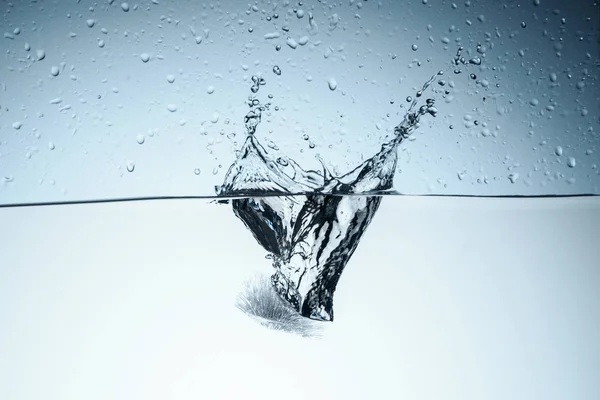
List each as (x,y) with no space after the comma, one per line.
(303,40)
(145,57)
(589,152)
(140,139)
(17,125)
(278,47)
(170,78)
(536,2)
(409,99)
(54,71)
(553,77)
(27,47)
(571,162)
(125,7)
(90,22)
(198,39)
(332,83)
(300,14)
(51,146)
(215,118)
(558,151)
(291,43)
(197,171)
(130,166)
(40,54)
(101,43)
(414,47)
(580,85)
(277,70)
(473,76)
(171,107)
(513,177)
(534,102)
(210,89)
(523,24)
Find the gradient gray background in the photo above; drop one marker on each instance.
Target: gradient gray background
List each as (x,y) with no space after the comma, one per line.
(108,96)
(448,298)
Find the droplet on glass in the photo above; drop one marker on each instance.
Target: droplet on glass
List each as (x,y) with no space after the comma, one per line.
(40,54)
(54,71)
(125,7)
(414,47)
(140,139)
(130,166)
(145,57)
(277,70)
(558,151)
(171,107)
(90,23)
(210,89)
(332,83)
(571,162)
(170,78)
(197,171)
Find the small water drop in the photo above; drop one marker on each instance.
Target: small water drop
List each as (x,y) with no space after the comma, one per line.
(170,78)
(558,151)
(27,47)
(51,146)
(130,166)
(277,70)
(90,23)
(523,24)
(40,54)
(54,71)
(332,83)
(215,118)
(17,125)
(140,139)
(553,77)
(513,177)
(210,89)
(197,171)
(125,7)
(171,107)
(145,57)
(414,47)
(571,162)
(473,76)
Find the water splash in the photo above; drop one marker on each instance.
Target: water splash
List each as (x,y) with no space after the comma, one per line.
(311,227)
